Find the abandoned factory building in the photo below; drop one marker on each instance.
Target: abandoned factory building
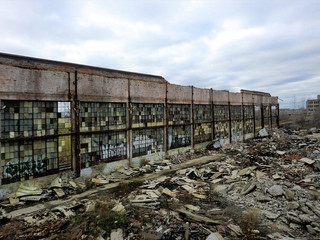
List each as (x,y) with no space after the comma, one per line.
(58,116)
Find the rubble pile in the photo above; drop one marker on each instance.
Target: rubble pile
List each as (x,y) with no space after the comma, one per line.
(264,188)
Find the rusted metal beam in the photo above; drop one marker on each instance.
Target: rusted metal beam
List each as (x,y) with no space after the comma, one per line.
(77,126)
(192,118)
(278,116)
(254,119)
(262,115)
(243,119)
(166,122)
(129,124)
(212,115)
(230,125)
(271,121)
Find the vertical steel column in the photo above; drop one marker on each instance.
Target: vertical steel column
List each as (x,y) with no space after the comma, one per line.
(192,119)
(166,122)
(27,176)
(72,117)
(77,125)
(129,125)
(271,122)
(242,106)
(254,118)
(213,135)
(1,176)
(262,116)
(230,125)
(278,116)
(270,116)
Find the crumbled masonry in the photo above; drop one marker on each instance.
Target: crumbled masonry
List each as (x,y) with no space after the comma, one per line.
(264,188)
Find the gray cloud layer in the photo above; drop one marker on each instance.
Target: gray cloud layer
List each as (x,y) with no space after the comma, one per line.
(271,46)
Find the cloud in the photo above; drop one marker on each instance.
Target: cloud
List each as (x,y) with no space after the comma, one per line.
(270,46)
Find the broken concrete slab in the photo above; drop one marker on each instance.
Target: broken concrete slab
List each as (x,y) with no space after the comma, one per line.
(199,218)
(116,234)
(118,208)
(215,236)
(263,133)
(169,193)
(24,190)
(249,187)
(235,229)
(191,207)
(276,190)
(59,192)
(307,161)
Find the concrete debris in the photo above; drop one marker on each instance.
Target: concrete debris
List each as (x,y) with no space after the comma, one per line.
(215,236)
(32,198)
(214,145)
(168,192)
(199,218)
(263,133)
(278,174)
(276,190)
(119,208)
(116,234)
(249,187)
(56,183)
(59,192)
(307,161)
(28,190)
(236,230)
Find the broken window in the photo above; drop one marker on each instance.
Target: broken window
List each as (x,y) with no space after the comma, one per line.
(274,115)
(202,132)
(147,141)
(202,113)
(266,116)
(179,136)
(221,113)
(25,157)
(179,114)
(222,130)
(104,147)
(147,115)
(257,117)
(236,112)
(102,116)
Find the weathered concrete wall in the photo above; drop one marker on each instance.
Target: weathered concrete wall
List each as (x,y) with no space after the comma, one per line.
(95,116)
(179,94)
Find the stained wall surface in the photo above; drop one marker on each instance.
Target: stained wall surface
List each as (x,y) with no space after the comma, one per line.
(59,116)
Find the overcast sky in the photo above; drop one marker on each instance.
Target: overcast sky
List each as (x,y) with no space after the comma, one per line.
(270,46)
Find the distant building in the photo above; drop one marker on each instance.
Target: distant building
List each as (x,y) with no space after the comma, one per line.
(313,105)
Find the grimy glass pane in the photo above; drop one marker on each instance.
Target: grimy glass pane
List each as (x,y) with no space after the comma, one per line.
(236,130)
(248,112)
(221,112)
(202,113)
(9,119)
(248,126)
(179,113)
(202,132)
(222,130)
(236,112)
(147,141)
(98,148)
(10,160)
(64,142)
(179,136)
(147,115)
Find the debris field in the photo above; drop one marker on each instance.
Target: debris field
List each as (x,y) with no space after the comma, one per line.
(264,188)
